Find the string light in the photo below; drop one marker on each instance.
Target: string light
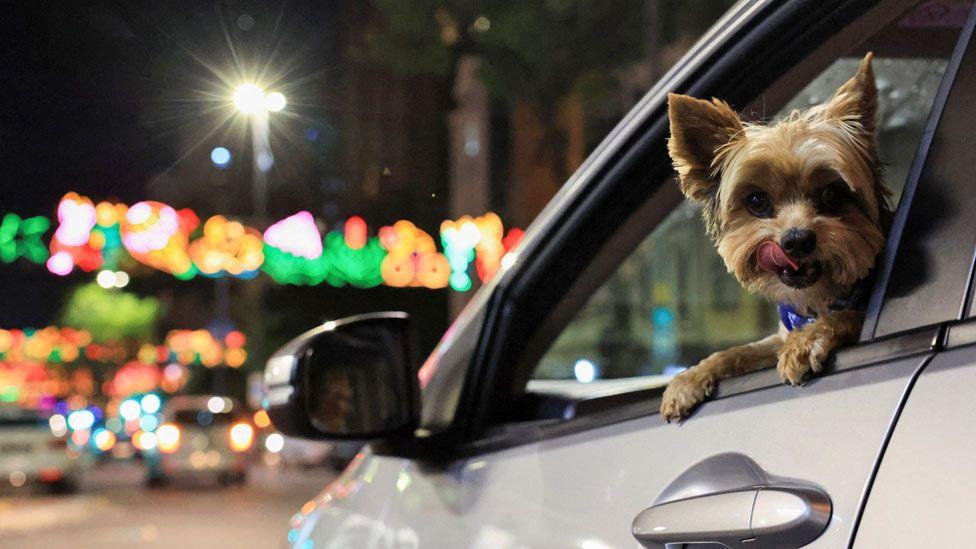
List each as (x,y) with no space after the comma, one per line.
(296,235)
(292,251)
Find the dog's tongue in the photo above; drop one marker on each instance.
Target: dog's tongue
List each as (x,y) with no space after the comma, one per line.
(773,259)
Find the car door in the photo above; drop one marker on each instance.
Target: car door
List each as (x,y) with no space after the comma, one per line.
(921,494)
(540,424)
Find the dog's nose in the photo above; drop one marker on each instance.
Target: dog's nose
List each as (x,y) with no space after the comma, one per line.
(798,243)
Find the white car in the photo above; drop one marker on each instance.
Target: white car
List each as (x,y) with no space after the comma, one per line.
(31,452)
(201,437)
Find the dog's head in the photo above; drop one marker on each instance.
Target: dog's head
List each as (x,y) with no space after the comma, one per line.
(796,207)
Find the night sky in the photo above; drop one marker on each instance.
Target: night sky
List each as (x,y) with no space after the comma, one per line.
(125,100)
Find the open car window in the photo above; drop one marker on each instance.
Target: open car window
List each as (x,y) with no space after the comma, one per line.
(671,302)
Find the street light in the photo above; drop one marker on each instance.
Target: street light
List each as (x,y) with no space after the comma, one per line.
(251,100)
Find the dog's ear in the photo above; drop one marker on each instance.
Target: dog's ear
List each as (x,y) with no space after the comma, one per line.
(856,100)
(698,129)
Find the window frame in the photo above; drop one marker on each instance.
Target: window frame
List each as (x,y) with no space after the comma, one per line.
(536,285)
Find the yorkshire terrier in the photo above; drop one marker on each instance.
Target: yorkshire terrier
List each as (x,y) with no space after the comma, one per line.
(798,212)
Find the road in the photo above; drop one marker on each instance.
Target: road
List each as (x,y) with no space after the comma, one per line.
(113,510)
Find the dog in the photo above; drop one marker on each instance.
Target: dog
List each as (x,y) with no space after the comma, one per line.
(798,212)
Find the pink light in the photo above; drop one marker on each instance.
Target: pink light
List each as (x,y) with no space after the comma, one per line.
(60,263)
(297,235)
(76,221)
(153,235)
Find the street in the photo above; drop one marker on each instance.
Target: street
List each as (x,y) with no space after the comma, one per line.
(114,510)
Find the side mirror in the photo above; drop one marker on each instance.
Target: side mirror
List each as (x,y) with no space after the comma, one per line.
(347,379)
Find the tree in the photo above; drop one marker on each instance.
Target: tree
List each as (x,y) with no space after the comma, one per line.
(110,314)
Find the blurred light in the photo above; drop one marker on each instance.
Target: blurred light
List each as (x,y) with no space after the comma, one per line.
(482,24)
(17,479)
(217,405)
(241,437)
(213,458)
(80,420)
(584,370)
(76,217)
(312,134)
(248,98)
(105,279)
(261,419)
(60,263)
(113,424)
(355,232)
(274,443)
(129,409)
(275,101)
(168,438)
(150,403)
(296,234)
(198,459)
(148,423)
(145,441)
(103,439)
(220,156)
(121,279)
(58,425)
(80,438)
(264,161)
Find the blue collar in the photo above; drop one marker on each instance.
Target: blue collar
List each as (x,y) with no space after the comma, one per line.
(792,320)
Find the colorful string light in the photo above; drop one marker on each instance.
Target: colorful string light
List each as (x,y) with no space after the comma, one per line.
(291,251)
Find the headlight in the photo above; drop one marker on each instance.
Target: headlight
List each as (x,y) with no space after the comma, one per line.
(241,436)
(168,438)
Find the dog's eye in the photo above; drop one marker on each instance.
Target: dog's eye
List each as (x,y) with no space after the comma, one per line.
(758,204)
(832,198)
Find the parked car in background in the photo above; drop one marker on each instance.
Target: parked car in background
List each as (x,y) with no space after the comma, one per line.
(32,454)
(616,286)
(201,438)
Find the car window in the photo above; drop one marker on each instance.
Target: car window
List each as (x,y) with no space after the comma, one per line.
(671,302)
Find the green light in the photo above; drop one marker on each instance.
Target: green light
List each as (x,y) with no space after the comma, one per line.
(460,282)
(22,238)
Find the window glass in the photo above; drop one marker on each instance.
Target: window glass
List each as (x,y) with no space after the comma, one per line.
(671,303)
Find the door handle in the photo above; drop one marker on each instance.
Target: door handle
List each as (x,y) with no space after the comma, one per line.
(730,500)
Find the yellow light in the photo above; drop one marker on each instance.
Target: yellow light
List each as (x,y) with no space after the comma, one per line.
(104,440)
(261,419)
(241,437)
(249,98)
(168,438)
(275,101)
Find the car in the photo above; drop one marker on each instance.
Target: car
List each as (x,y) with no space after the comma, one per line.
(201,437)
(535,422)
(33,453)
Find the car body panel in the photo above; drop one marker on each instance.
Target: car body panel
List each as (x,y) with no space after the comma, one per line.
(921,495)
(588,487)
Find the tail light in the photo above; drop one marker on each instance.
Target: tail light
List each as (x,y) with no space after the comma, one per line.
(241,436)
(168,438)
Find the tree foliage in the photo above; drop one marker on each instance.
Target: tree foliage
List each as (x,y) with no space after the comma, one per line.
(111,314)
(531,50)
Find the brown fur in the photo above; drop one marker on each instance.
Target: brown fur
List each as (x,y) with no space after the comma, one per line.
(721,160)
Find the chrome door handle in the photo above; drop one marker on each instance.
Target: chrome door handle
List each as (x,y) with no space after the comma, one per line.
(729,500)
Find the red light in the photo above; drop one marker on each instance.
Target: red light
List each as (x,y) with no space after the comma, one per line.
(355,232)
(50,475)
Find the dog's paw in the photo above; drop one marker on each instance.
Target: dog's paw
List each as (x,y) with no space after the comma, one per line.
(803,352)
(685,391)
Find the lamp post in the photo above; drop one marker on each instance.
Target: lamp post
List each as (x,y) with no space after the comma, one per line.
(256,104)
